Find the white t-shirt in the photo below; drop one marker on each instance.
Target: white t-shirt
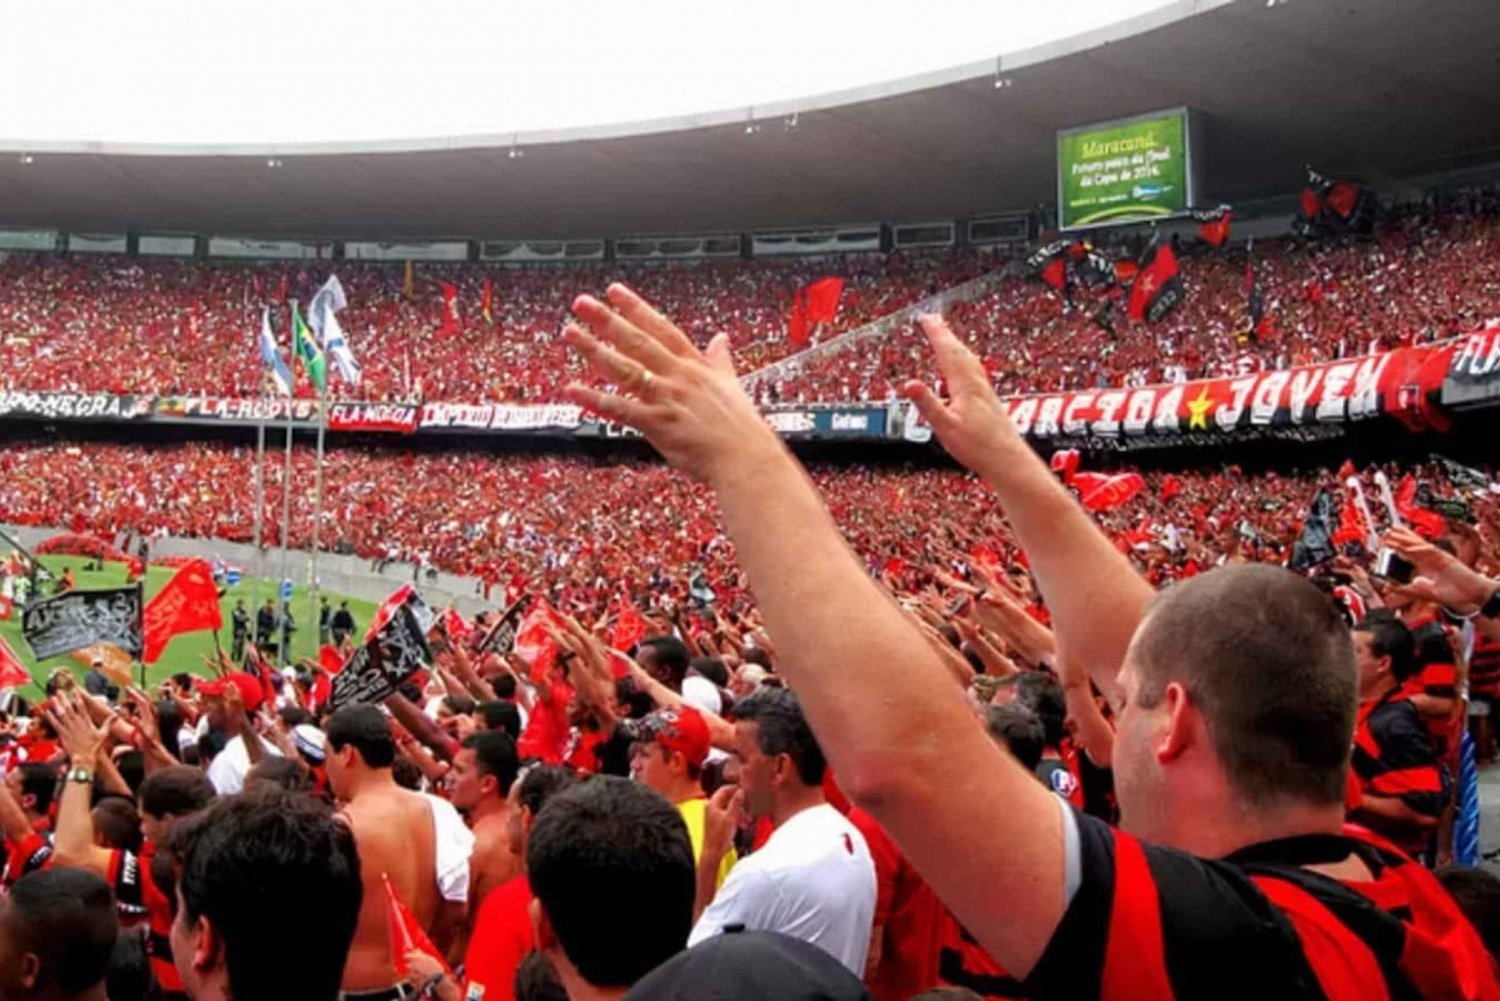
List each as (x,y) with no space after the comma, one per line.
(453,843)
(228,770)
(813,880)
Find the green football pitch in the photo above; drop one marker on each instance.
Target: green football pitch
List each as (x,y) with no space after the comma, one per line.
(185,652)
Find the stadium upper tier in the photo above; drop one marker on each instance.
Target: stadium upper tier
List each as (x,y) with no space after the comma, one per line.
(118,324)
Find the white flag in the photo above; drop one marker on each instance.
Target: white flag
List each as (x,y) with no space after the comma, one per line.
(321,317)
(270,356)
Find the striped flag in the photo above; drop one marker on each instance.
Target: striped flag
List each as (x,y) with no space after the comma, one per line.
(270,356)
(322,317)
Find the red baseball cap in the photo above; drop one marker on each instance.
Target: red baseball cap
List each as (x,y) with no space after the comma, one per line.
(678,728)
(251,692)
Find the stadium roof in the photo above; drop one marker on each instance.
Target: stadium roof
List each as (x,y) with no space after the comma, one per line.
(1374,89)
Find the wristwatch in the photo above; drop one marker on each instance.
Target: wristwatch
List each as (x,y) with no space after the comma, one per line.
(1491,608)
(82,775)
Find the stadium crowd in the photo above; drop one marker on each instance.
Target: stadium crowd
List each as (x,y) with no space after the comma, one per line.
(690,779)
(142,325)
(1429,274)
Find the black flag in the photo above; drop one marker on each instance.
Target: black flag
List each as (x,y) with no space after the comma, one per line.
(1315,544)
(76,619)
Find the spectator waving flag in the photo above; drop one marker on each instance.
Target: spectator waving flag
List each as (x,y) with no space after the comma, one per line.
(309,352)
(270,356)
(322,316)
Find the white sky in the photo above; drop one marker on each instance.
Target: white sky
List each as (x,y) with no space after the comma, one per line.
(262,71)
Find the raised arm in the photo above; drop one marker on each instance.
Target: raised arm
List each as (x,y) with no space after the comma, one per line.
(896,729)
(74,842)
(1095,595)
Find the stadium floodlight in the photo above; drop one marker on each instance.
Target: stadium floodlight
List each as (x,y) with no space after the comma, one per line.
(27,158)
(274,162)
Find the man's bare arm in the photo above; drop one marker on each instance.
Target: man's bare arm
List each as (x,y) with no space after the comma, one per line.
(986,835)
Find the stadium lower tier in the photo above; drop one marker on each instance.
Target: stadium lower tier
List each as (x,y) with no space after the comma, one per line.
(586,530)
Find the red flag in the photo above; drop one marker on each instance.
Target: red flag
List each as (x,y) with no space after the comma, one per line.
(823,299)
(1055,273)
(331,660)
(1156,289)
(630,628)
(1213,227)
(322,690)
(1346,470)
(1125,272)
(1100,492)
(796,326)
(487,301)
(534,644)
(1351,524)
(388,608)
(406,932)
(1428,524)
(450,324)
(1341,198)
(457,627)
(13,673)
(1171,486)
(188,602)
(1065,463)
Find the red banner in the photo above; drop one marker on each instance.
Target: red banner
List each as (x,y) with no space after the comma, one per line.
(399,417)
(1396,383)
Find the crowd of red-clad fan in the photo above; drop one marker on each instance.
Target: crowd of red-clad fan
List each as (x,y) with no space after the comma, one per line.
(1424,276)
(143,325)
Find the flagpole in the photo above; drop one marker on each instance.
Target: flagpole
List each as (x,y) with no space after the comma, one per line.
(260,503)
(286,495)
(313,616)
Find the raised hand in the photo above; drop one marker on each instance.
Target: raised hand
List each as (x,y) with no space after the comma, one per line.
(723,813)
(75,731)
(973,425)
(1442,577)
(688,403)
(1026,636)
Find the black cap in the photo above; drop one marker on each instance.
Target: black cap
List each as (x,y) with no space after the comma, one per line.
(750,966)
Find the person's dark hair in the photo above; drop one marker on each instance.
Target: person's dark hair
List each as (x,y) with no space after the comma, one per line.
(671,657)
(132,768)
(191,756)
(183,680)
(294,716)
(459,705)
(541,783)
(759,656)
(243,859)
(711,668)
(947,994)
(536,980)
(67,918)
(782,729)
(169,719)
(504,686)
(39,780)
(117,823)
(365,729)
(1267,659)
(285,773)
(610,839)
(1390,637)
(175,792)
(1043,695)
(1477,894)
(503,717)
(1019,730)
(406,774)
(495,753)
(128,976)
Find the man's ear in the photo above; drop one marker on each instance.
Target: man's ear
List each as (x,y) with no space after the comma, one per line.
(206,944)
(546,938)
(31,970)
(1178,734)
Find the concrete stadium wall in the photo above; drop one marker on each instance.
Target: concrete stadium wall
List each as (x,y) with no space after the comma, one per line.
(347,575)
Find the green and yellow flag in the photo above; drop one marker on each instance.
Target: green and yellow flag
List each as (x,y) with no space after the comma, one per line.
(313,362)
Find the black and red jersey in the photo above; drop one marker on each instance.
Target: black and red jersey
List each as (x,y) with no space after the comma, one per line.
(143,886)
(1394,755)
(1151,922)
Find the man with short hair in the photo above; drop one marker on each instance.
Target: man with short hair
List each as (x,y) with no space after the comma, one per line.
(814,878)
(670,746)
(415,842)
(612,869)
(26,813)
(1234,694)
(1400,785)
(342,624)
(665,658)
(57,931)
(479,787)
(247,862)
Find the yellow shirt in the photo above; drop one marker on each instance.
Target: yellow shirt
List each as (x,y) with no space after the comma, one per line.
(692,815)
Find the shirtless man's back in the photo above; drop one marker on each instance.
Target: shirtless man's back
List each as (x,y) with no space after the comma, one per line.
(395,831)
